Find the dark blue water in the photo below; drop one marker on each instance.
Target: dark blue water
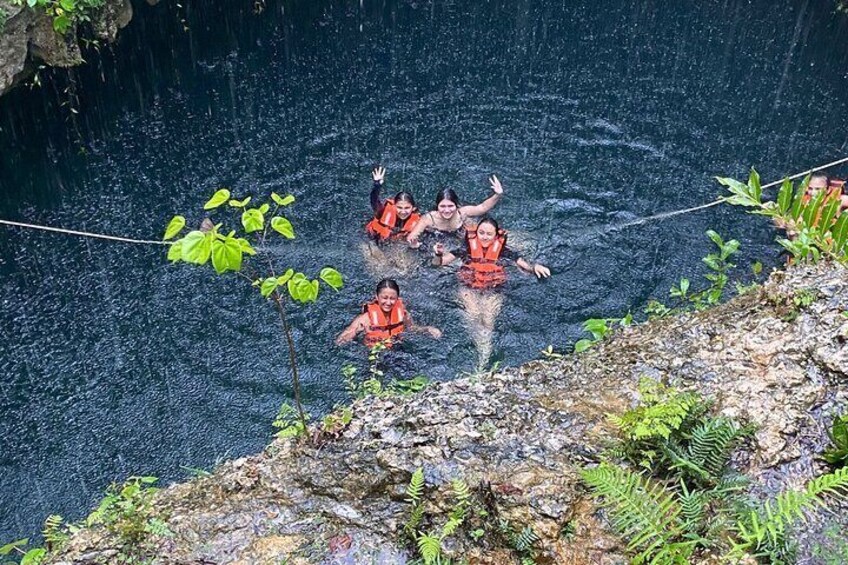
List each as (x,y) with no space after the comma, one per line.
(116,363)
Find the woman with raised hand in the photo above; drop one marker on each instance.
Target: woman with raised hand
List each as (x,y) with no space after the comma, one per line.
(484,257)
(384,319)
(449,216)
(394,218)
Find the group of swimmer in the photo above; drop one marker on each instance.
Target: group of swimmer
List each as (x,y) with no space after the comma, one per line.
(451,234)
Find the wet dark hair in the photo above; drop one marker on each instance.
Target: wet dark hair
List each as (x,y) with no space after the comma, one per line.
(447,194)
(388,283)
(491,221)
(404,196)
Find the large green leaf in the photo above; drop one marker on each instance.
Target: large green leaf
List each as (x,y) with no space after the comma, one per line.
(175,251)
(813,208)
(245,246)
(197,246)
(292,283)
(282,226)
(10,547)
(217,199)
(282,200)
(252,220)
(840,233)
(269,285)
(332,277)
(174,226)
(226,255)
(34,556)
(784,197)
(754,187)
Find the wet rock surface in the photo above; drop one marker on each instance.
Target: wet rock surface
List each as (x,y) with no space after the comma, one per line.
(27,39)
(519,438)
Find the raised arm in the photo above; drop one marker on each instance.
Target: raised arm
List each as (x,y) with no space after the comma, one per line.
(357,325)
(487,204)
(378,174)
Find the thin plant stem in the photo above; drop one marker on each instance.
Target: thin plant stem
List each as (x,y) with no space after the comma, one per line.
(278,300)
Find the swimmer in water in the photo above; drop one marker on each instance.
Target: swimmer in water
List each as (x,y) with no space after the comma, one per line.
(449,217)
(384,319)
(483,257)
(394,218)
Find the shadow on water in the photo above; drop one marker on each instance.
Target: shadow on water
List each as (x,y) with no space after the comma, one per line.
(116,363)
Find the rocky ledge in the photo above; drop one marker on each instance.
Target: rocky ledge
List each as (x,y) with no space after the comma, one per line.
(27,38)
(520,437)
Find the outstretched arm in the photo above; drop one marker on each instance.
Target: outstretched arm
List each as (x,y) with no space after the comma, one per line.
(537,269)
(359,324)
(434,332)
(442,256)
(487,204)
(378,174)
(423,223)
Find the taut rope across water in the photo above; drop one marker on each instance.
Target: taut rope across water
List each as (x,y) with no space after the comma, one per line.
(596,232)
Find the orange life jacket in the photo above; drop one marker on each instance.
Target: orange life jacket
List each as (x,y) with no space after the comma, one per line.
(482,269)
(382,327)
(386,226)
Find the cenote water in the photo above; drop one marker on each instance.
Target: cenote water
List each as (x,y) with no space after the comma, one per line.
(116,363)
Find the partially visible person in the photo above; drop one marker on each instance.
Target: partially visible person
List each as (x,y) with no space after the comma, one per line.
(384,319)
(449,216)
(394,218)
(817,184)
(483,269)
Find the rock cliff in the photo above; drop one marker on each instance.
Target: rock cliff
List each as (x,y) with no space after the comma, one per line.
(775,357)
(27,38)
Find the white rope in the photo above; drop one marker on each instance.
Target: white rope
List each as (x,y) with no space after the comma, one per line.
(665,215)
(85,233)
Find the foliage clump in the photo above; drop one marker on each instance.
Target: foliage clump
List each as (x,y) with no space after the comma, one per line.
(64,13)
(670,490)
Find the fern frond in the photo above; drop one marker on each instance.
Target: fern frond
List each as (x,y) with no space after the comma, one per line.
(524,540)
(463,495)
(693,508)
(53,533)
(430,548)
(450,527)
(415,489)
(711,444)
(642,511)
(414,521)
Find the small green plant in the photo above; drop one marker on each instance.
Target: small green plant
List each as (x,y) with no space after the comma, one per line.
(803,297)
(819,230)
(655,310)
(719,264)
(32,556)
(428,544)
(522,542)
(336,421)
(231,251)
(600,328)
(128,513)
(65,13)
(288,422)
(373,386)
(837,454)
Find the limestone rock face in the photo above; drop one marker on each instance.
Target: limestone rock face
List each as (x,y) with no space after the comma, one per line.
(28,39)
(519,438)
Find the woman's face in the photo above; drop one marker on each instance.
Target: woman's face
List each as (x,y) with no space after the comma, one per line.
(386,299)
(486,234)
(404,209)
(447,209)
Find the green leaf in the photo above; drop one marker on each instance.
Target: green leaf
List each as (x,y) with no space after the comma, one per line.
(175,251)
(61,24)
(252,220)
(10,547)
(332,277)
(754,187)
(583,345)
(34,556)
(245,246)
(196,247)
(68,5)
(226,255)
(715,238)
(264,208)
(284,278)
(174,226)
(282,201)
(240,203)
(292,284)
(784,197)
(283,226)
(217,199)
(269,285)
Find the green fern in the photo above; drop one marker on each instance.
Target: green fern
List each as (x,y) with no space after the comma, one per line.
(415,489)
(415,494)
(641,510)
(54,535)
(661,412)
(430,548)
(764,529)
